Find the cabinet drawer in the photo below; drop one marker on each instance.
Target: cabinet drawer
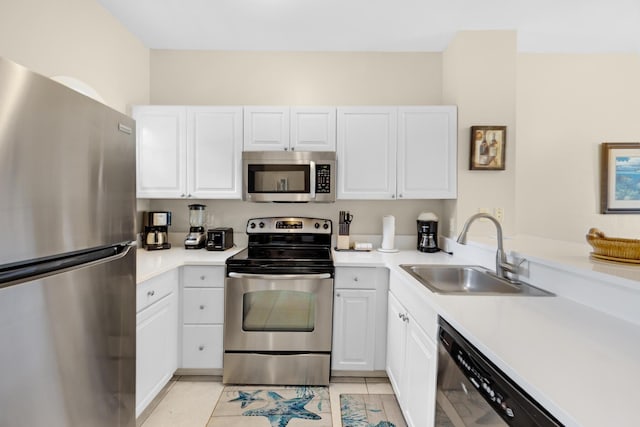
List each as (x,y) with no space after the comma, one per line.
(357,277)
(202,346)
(154,289)
(202,276)
(203,305)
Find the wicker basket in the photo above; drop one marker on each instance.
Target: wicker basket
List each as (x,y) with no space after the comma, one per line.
(615,248)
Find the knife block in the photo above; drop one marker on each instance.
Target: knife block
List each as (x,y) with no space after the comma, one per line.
(343,241)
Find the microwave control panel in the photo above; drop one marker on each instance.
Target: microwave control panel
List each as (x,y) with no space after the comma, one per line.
(323,178)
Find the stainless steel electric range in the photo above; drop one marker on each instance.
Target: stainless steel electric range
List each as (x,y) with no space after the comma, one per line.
(279,304)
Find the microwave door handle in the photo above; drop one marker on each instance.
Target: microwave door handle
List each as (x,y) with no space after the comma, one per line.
(312,179)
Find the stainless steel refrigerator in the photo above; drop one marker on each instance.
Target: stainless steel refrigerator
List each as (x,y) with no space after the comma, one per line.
(67,264)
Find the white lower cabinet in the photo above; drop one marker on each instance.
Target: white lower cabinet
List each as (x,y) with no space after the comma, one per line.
(202,317)
(156,336)
(359,319)
(411,365)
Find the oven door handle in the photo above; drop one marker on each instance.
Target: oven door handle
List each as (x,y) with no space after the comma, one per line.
(279,276)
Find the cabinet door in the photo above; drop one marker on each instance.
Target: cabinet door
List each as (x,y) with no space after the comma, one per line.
(214,152)
(427,152)
(367,139)
(354,330)
(396,331)
(419,380)
(156,349)
(160,151)
(266,128)
(313,128)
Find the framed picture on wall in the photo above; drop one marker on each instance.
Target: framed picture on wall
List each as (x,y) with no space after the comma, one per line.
(620,177)
(488,144)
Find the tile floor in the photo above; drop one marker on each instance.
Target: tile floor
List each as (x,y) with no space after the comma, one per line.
(188,401)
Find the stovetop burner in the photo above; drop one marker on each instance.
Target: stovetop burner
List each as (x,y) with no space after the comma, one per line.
(285,245)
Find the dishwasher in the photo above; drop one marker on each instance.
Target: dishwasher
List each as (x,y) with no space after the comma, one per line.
(472,391)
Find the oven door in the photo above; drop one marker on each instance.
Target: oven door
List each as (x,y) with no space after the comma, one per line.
(278,313)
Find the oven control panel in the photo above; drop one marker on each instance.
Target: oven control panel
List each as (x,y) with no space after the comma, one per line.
(289,225)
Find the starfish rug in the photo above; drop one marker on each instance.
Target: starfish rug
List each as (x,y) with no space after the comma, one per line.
(268,406)
(370,410)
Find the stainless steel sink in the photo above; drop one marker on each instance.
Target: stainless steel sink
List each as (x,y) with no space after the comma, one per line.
(468,280)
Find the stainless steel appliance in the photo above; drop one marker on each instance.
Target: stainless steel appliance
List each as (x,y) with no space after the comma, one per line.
(427,232)
(289,176)
(197,238)
(67,264)
(155,232)
(279,304)
(219,239)
(472,391)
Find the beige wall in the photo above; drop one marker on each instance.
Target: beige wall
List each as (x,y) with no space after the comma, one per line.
(566,106)
(479,76)
(77,38)
(295,78)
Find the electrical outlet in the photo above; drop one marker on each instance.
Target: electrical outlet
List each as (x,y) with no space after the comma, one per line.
(498,213)
(483,210)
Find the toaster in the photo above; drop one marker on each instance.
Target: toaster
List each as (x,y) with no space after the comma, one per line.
(219,239)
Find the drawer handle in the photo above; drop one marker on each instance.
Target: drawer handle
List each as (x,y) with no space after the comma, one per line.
(355,279)
(151,293)
(202,307)
(203,277)
(200,348)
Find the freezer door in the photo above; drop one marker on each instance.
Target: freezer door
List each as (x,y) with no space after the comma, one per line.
(67,348)
(67,169)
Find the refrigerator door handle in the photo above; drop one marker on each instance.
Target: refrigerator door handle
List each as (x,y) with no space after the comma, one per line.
(39,269)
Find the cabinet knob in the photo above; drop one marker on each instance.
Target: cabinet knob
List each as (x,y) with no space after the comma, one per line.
(201,347)
(151,293)
(338,295)
(393,196)
(400,196)
(293,148)
(203,277)
(286,149)
(202,307)
(183,195)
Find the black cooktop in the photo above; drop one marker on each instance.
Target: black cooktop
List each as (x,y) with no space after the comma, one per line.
(273,250)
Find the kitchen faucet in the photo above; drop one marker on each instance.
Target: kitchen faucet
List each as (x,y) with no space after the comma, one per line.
(502,266)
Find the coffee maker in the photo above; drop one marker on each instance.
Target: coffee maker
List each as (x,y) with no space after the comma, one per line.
(197,238)
(155,231)
(428,232)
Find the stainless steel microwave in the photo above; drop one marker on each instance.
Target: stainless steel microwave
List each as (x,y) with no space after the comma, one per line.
(289,176)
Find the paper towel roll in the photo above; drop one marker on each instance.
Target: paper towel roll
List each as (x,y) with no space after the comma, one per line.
(388,232)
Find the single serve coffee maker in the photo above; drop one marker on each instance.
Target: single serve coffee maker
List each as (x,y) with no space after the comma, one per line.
(155,232)
(197,237)
(428,232)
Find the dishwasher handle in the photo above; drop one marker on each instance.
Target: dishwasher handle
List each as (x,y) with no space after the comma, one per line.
(279,276)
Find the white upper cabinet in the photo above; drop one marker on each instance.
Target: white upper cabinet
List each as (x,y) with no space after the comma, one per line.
(161,151)
(313,128)
(284,128)
(185,152)
(266,128)
(214,152)
(427,152)
(367,140)
(397,152)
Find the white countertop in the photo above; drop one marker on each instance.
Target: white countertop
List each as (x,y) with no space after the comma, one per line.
(581,364)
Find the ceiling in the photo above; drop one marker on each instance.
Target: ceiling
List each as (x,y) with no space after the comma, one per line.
(378,25)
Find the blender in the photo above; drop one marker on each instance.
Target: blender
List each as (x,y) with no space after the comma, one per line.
(197,237)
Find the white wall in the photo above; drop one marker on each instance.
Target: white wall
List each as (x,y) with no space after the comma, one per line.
(566,106)
(479,77)
(77,38)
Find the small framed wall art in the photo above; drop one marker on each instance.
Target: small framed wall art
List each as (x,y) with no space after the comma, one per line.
(488,144)
(620,177)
